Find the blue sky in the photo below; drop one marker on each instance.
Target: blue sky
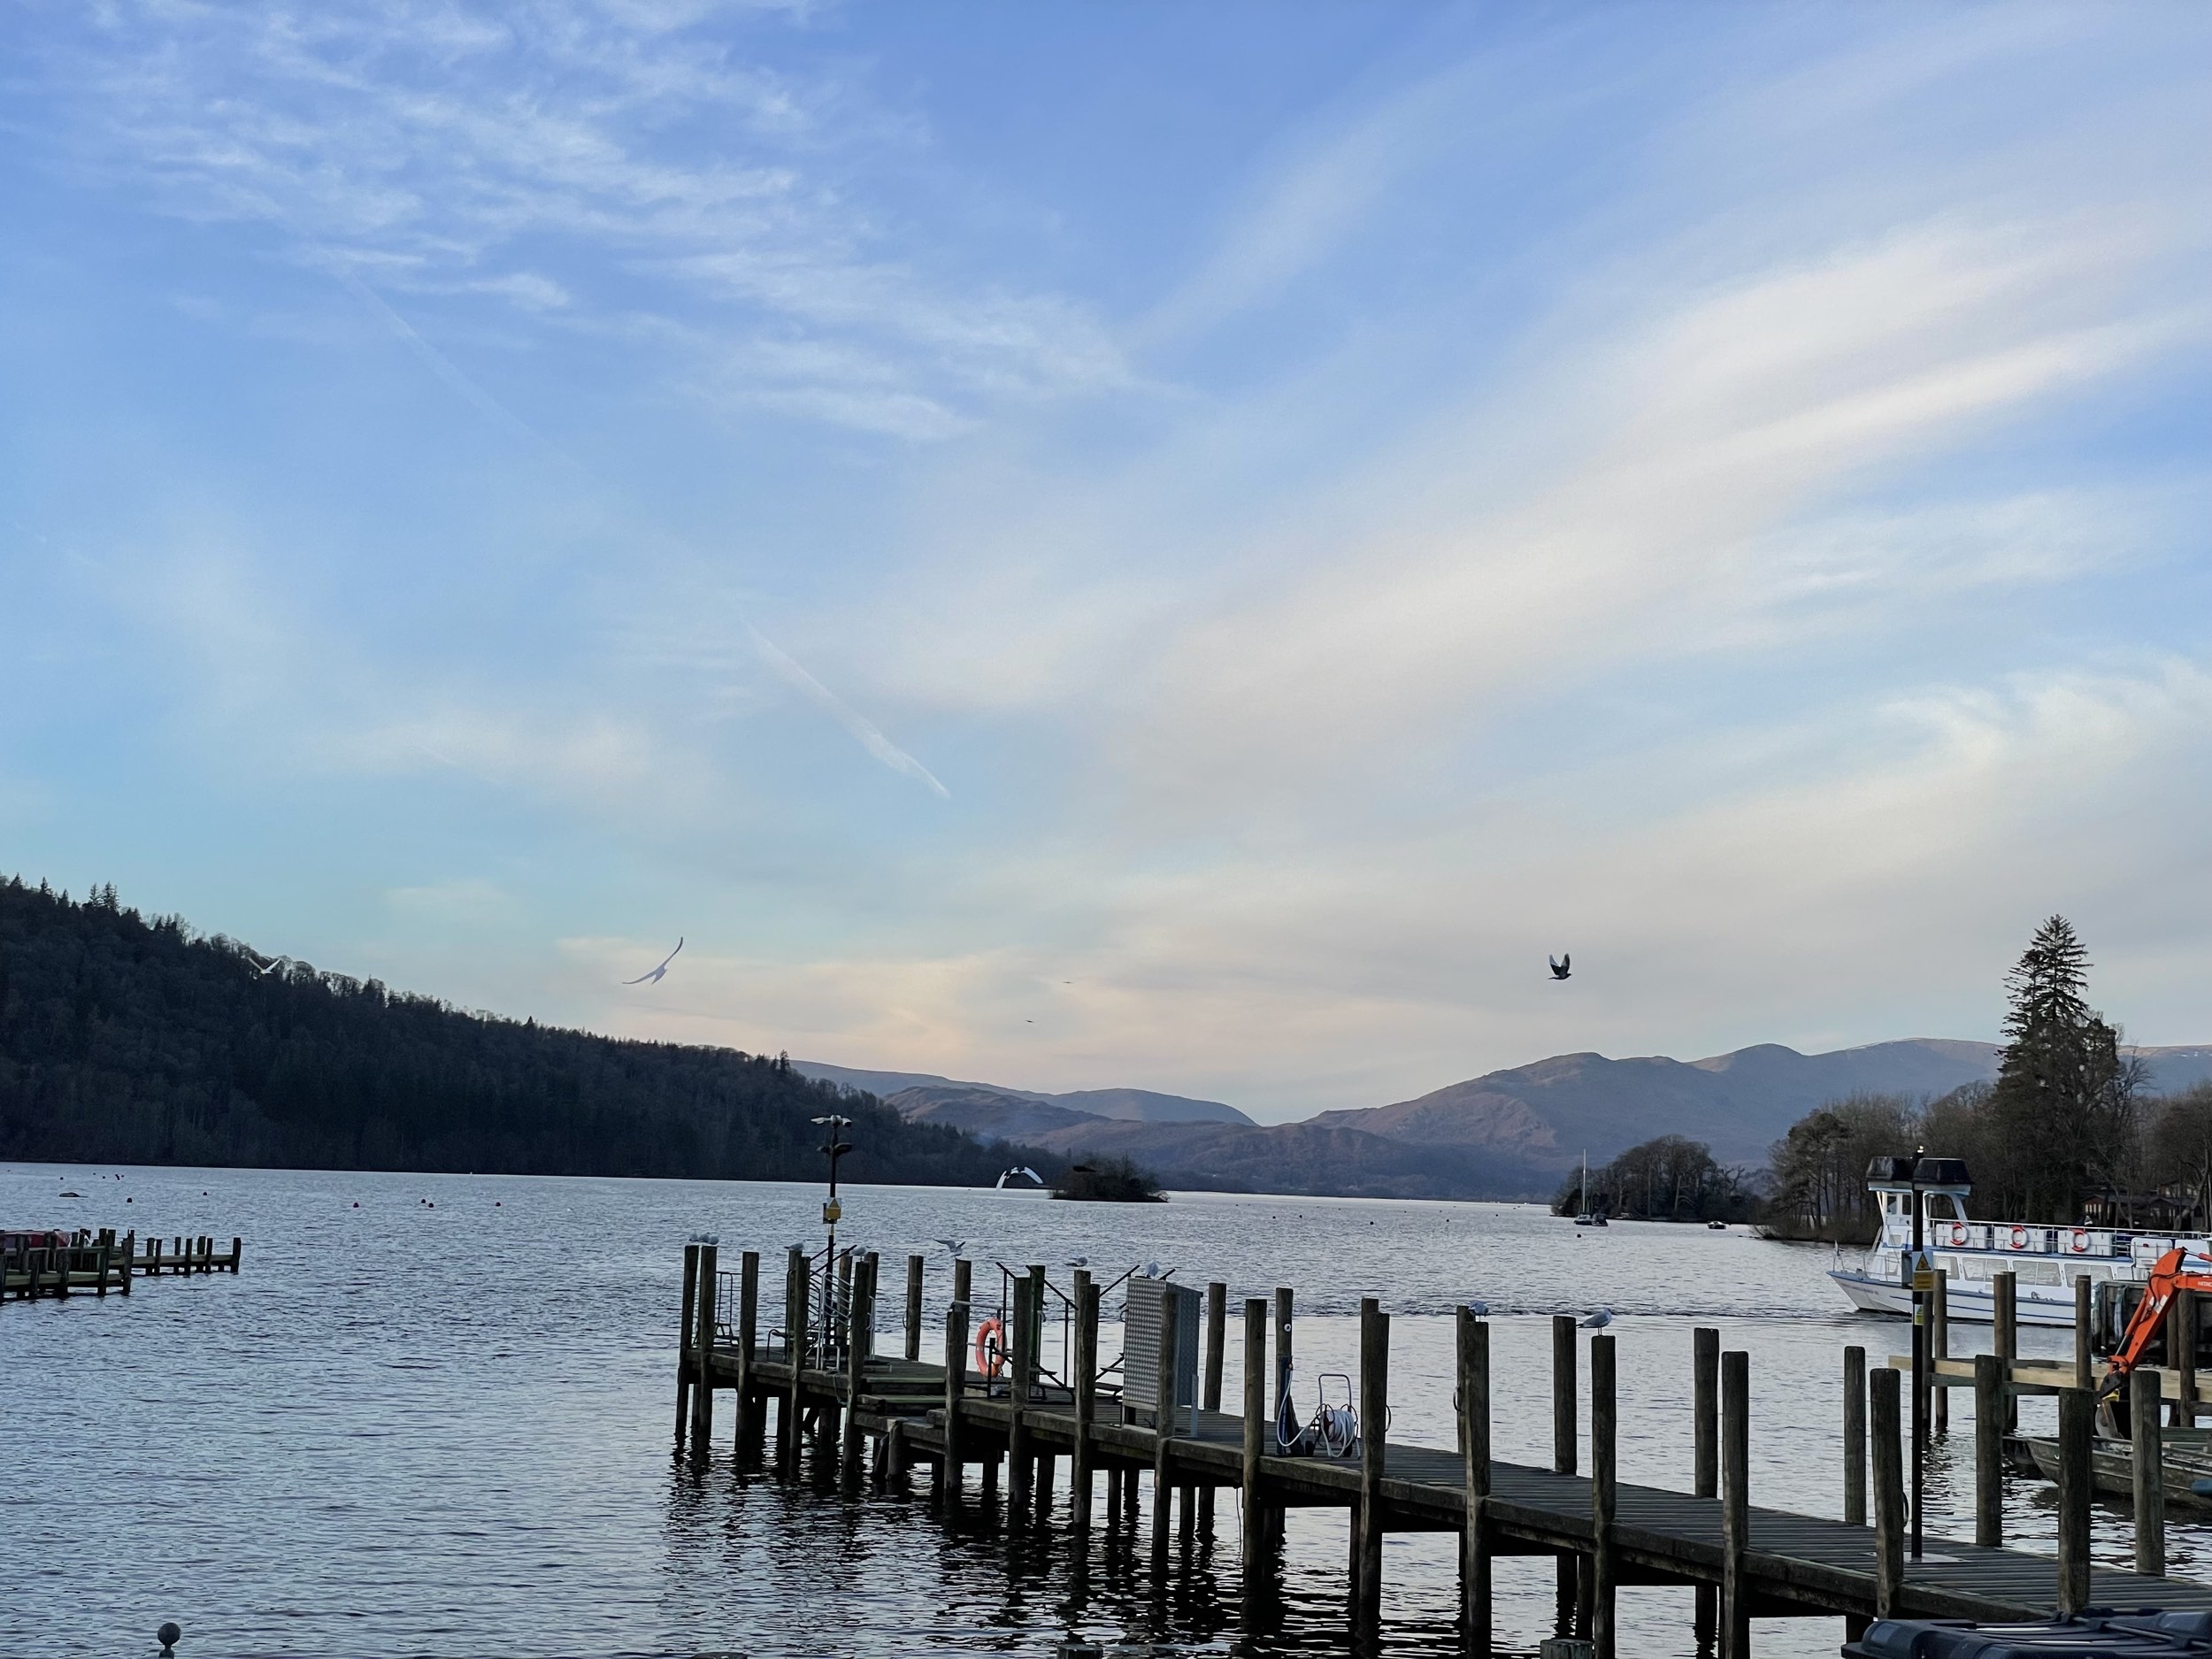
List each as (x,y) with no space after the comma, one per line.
(1186,547)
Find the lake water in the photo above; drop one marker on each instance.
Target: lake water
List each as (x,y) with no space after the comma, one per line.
(433,1414)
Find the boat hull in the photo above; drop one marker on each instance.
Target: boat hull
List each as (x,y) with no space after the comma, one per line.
(1964,1302)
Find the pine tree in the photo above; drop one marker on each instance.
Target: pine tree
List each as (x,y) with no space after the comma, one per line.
(2055,1090)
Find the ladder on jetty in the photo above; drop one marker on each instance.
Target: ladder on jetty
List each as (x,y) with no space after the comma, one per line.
(874,1416)
(85,1262)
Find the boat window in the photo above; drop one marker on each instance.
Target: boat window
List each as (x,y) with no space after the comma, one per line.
(2036,1273)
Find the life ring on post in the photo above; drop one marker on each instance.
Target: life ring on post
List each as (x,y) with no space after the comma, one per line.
(2079,1242)
(2019,1238)
(990,1348)
(1958,1234)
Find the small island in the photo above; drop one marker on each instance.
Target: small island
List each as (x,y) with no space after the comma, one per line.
(1109,1181)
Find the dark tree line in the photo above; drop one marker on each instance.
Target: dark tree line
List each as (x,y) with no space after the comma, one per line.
(1670,1179)
(2069,1129)
(131,1040)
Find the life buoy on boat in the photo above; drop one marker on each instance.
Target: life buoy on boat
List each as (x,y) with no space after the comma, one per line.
(1958,1235)
(2019,1238)
(2079,1242)
(990,1348)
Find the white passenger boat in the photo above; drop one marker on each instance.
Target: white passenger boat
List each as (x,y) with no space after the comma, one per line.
(2043,1260)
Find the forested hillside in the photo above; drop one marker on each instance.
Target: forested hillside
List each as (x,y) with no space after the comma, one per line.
(125,1038)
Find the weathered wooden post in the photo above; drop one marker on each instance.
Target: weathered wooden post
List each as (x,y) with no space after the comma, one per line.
(1039,1457)
(750,1409)
(948,1468)
(798,1300)
(1024,1345)
(860,1315)
(1277,1514)
(1163,1432)
(1080,1462)
(1735,1504)
(2004,1290)
(683,1340)
(1602,1495)
(2085,1374)
(1889,1492)
(1255,1419)
(2076,1422)
(1940,1349)
(1855,1436)
(2144,1395)
(1989,1451)
(1374,1414)
(915,1265)
(702,1356)
(1474,1449)
(1563,1458)
(107,1249)
(237,1252)
(130,1258)
(1705,1461)
(2181,1353)
(1210,1391)
(963,1279)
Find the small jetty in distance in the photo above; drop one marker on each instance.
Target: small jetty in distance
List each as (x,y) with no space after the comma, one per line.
(52,1263)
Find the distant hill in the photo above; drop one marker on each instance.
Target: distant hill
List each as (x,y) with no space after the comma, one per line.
(1133,1105)
(130,1040)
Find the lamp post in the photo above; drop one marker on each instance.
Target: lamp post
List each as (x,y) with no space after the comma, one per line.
(837,1147)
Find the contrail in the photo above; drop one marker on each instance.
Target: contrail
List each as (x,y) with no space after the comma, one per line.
(866,732)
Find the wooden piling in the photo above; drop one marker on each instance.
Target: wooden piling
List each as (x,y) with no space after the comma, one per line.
(1889,1491)
(1473,1398)
(1735,1504)
(683,1338)
(798,1297)
(1603,1471)
(1562,1457)
(915,1267)
(963,1279)
(1855,1436)
(2076,1422)
(1940,1348)
(1285,1307)
(702,1333)
(2085,1375)
(750,1410)
(1162,1432)
(1019,1377)
(1255,1420)
(2181,1353)
(1079,1459)
(1989,1450)
(2004,1289)
(860,1322)
(1209,1392)
(1374,1416)
(130,1258)
(1705,1462)
(2144,1390)
(948,1465)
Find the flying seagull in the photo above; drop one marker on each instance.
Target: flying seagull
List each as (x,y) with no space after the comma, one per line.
(1559,969)
(1077,1261)
(263,967)
(954,1245)
(1021,1169)
(654,977)
(1599,1320)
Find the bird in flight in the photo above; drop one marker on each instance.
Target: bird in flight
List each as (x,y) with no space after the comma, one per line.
(654,977)
(954,1245)
(1599,1320)
(1559,968)
(1021,1169)
(1077,1261)
(263,967)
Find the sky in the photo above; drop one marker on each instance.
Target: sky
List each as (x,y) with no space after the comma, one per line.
(1179,547)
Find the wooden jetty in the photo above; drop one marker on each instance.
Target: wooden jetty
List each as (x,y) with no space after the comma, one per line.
(1160,1423)
(85,1262)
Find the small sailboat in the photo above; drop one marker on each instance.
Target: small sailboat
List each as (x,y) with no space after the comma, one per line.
(1586,1217)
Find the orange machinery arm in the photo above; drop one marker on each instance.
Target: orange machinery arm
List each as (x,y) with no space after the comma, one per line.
(2166,1278)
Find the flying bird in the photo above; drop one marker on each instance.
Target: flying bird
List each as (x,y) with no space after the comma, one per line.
(1559,969)
(1599,1320)
(654,977)
(263,967)
(1021,1169)
(957,1245)
(1077,1261)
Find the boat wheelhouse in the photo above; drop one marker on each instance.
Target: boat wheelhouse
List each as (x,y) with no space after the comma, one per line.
(2043,1260)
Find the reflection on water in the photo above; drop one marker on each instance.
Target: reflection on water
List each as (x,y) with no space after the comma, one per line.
(443,1427)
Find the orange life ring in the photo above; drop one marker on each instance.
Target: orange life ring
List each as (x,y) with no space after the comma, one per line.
(2080,1241)
(990,1348)
(1958,1234)
(2019,1238)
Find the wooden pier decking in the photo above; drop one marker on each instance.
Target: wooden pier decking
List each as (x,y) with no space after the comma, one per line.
(92,1263)
(885,1413)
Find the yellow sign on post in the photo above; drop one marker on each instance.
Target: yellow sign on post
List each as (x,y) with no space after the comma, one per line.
(1923,1269)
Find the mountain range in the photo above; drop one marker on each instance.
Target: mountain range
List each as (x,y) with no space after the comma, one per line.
(1507,1133)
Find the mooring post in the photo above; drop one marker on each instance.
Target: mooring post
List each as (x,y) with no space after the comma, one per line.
(949,1472)
(1210,1394)
(2076,1423)
(1855,1436)
(1163,1431)
(1474,1399)
(1989,1451)
(684,1342)
(702,1358)
(2085,1375)
(1705,1461)
(915,1267)
(1023,1346)
(860,1321)
(1889,1492)
(2181,1353)
(1374,1416)
(2004,1289)
(237,1252)
(865,1334)
(130,1258)
(798,1301)
(1080,1461)
(1735,1504)
(750,1410)
(963,1279)
(1277,1513)
(1602,1469)
(1562,1457)
(1938,1351)
(1256,1418)
(2143,1394)
(107,1249)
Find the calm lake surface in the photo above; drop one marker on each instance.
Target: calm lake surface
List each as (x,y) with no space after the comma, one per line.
(444,1427)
